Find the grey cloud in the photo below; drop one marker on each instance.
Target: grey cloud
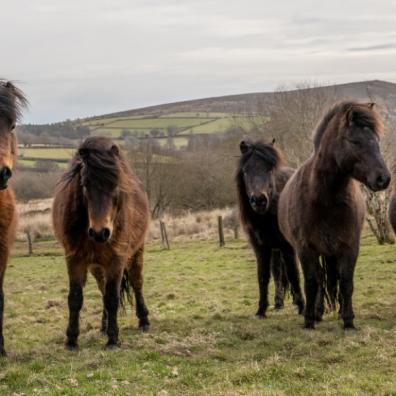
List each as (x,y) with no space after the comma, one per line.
(79,58)
(378,47)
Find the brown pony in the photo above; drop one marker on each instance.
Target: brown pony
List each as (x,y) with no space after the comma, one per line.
(12,100)
(260,178)
(100,216)
(321,209)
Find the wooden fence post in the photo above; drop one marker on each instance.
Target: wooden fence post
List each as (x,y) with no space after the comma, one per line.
(30,243)
(164,236)
(221,231)
(236,232)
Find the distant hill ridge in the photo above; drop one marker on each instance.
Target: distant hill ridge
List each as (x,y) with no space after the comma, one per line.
(376,90)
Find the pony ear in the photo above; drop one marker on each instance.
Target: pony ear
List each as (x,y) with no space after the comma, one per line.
(350,117)
(83,152)
(115,150)
(273,142)
(244,146)
(371,105)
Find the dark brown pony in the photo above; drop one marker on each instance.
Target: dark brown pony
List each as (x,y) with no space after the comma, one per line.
(12,100)
(100,216)
(321,209)
(260,178)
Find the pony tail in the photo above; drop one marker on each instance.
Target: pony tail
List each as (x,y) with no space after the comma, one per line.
(330,283)
(125,292)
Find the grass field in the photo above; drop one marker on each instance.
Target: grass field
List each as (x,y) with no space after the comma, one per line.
(204,339)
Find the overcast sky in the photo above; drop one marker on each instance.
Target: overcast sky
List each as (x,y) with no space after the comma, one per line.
(77,58)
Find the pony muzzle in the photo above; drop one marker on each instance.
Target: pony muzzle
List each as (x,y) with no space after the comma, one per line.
(259,202)
(380,181)
(100,236)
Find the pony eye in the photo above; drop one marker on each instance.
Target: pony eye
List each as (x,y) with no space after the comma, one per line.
(356,143)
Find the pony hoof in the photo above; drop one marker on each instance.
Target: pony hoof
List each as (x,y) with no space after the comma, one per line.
(260,314)
(71,346)
(301,308)
(309,325)
(3,353)
(278,307)
(349,327)
(144,324)
(144,327)
(112,346)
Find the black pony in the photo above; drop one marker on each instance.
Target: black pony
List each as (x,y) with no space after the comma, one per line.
(260,178)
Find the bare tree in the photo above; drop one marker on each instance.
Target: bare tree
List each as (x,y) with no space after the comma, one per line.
(290,117)
(377,203)
(158,172)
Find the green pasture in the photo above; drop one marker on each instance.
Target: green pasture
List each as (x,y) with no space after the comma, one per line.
(204,338)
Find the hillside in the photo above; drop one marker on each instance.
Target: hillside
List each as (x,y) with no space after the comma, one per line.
(172,124)
(242,103)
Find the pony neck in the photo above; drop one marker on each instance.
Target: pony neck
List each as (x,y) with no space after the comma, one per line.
(329,181)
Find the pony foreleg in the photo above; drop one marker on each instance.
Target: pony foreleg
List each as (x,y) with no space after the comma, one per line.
(2,350)
(77,279)
(277,272)
(111,302)
(346,267)
(310,262)
(263,275)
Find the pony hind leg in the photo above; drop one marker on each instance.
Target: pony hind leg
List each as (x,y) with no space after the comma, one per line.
(293,276)
(278,274)
(135,275)
(99,275)
(77,278)
(320,295)
(331,271)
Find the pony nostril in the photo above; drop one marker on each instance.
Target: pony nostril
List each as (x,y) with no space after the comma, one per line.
(6,173)
(105,234)
(91,232)
(383,181)
(259,200)
(262,200)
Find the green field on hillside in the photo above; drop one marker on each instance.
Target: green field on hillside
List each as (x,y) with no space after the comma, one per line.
(46,153)
(204,339)
(185,123)
(31,164)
